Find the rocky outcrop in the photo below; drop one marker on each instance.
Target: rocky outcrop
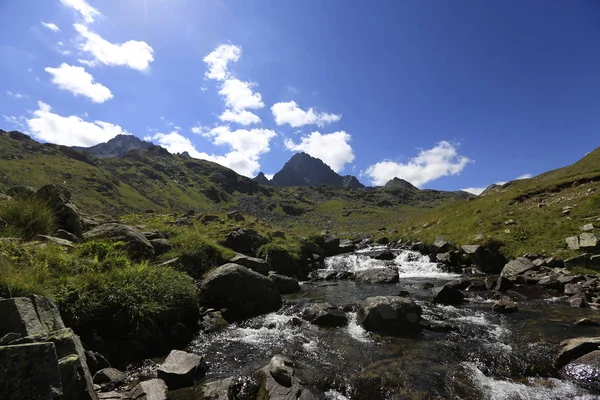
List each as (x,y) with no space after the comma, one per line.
(65,211)
(517,267)
(389,314)
(242,292)
(378,275)
(137,245)
(29,316)
(261,179)
(116,147)
(181,369)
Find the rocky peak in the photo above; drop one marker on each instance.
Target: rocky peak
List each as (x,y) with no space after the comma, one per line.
(397,184)
(116,147)
(261,179)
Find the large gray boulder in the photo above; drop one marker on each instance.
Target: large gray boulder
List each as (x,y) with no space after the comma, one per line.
(377,275)
(137,245)
(279,381)
(484,259)
(154,389)
(285,284)
(572,349)
(589,242)
(389,314)
(517,267)
(442,245)
(255,264)
(244,293)
(65,211)
(29,316)
(30,371)
(181,369)
(585,371)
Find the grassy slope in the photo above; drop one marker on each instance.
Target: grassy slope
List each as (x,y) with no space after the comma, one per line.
(535,205)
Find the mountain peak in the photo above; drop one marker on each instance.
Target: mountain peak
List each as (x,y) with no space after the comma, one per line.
(116,147)
(400,184)
(261,179)
(305,170)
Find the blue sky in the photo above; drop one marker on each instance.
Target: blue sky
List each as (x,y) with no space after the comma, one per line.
(448,95)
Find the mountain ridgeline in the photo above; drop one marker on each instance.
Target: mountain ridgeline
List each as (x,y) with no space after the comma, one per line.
(116,147)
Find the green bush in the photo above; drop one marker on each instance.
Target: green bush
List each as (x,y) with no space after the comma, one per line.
(26,218)
(198,254)
(105,255)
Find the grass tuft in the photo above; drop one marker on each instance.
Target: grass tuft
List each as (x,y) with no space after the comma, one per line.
(26,218)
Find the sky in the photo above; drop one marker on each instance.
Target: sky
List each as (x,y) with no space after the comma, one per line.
(447,95)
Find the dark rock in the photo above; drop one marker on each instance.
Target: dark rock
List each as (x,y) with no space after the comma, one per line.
(9,337)
(459,284)
(571,289)
(137,245)
(579,301)
(281,380)
(179,334)
(503,284)
(65,211)
(324,314)
(346,246)
(308,247)
(582,260)
(505,306)
(285,284)
(208,218)
(212,321)
(329,243)
(161,246)
(551,282)
(30,371)
(181,369)
(29,316)
(517,267)
(62,234)
(95,361)
(281,370)
(485,259)
(244,293)
(587,322)
(255,264)
(572,349)
(382,255)
(389,314)
(584,371)
(246,241)
(427,286)
(154,389)
(109,378)
(377,275)
(447,295)
(442,245)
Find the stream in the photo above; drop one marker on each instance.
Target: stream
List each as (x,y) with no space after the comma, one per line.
(465,352)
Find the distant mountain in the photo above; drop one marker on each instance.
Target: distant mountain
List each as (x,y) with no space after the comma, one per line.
(399,185)
(261,179)
(304,170)
(116,147)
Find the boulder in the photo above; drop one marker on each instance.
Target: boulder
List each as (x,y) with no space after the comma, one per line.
(65,211)
(62,234)
(505,306)
(389,314)
(587,227)
(255,264)
(503,284)
(285,284)
(585,371)
(346,246)
(29,316)
(589,242)
(279,381)
(244,293)
(212,321)
(377,275)
(246,241)
(95,361)
(30,371)
(137,245)
(447,295)
(382,255)
(459,284)
(329,243)
(181,369)
(324,314)
(517,267)
(109,378)
(442,245)
(179,334)
(55,240)
(484,259)
(161,246)
(154,389)
(572,349)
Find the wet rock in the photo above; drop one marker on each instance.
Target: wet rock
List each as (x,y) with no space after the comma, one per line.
(582,260)
(278,381)
(505,306)
(255,264)
(579,301)
(377,275)
(572,349)
(550,282)
(517,267)
(382,255)
(325,315)
(30,371)
(285,284)
(161,246)
(329,243)
(154,389)
(447,295)
(244,293)
(484,259)
(585,371)
(245,241)
(181,369)
(109,378)
(65,211)
(427,286)
(389,314)
(137,245)
(308,247)
(281,370)
(503,284)
(346,246)
(587,322)
(95,361)
(459,284)
(179,334)
(571,289)
(212,321)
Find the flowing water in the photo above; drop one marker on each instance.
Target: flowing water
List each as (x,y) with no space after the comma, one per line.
(466,352)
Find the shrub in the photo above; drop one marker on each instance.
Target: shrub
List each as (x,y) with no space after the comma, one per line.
(197,253)
(27,217)
(105,255)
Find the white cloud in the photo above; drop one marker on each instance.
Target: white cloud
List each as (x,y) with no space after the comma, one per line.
(332,148)
(87,12)
(246,147)
(441,160)
(524,176)
(218,60)
(133,53)
(70,131)
(290,113)
(16,95)
(474,190)
(269,176)
(239,95)
(79,82)
(242,117)
(51,26)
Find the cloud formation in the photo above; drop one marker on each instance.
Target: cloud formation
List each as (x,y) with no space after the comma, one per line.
(238,95)
(441,160)
(87,12)
(241,117)
(79,82)
(51,26)
(289,113)
(332,148)
(49,127)
(219,59)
